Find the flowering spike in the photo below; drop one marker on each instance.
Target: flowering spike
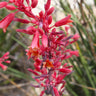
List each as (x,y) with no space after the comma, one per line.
(4,23)
(3,4)
(52,49)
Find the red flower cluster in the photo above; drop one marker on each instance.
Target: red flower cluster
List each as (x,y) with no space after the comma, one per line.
(48,48)
(4,59)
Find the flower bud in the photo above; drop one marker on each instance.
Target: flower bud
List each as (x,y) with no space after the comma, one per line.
(50,11)
(63,21)
(10,7)
(3,4)
(34,3)
(47,5)
(11,1)
(49,20)
(21,20)
(44,41)
(41,14)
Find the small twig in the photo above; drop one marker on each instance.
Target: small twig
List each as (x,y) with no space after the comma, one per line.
(13,87)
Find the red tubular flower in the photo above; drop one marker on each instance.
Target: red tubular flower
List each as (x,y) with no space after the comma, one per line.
(44,41)
(76,53)
(34,48)
(56,93)
(4,23)
(35,41)
(75,38)
(40,31)
(41,14)
(3,4)
(4,59)
(30,30)
(32,71)
(4,67)
(24,31)
(34,3)
(64,21)
(65,70)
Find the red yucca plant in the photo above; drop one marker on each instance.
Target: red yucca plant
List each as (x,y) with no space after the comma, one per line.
(49,54)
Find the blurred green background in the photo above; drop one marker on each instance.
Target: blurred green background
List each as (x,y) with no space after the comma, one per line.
(82,82)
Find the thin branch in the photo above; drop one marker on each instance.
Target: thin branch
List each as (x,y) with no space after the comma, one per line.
(13,87)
